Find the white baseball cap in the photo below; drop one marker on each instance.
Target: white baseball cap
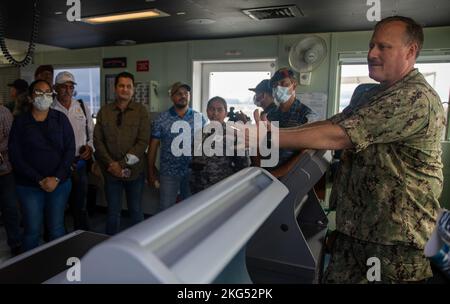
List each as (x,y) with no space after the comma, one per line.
(64,77)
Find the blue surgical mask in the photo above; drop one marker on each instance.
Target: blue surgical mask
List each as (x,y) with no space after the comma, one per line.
(42,102)
(281,94)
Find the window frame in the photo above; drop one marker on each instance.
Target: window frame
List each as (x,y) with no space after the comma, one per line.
(89,66)
(202,68)
(359,58)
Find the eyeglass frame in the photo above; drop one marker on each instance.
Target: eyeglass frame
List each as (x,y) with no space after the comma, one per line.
(40,93)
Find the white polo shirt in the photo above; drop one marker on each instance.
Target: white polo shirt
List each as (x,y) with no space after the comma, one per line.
(78,121)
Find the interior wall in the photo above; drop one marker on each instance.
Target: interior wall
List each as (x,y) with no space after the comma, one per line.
(172,61)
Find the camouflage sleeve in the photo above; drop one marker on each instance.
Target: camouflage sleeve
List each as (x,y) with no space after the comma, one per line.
(337,118)
(346,112)
(394,118)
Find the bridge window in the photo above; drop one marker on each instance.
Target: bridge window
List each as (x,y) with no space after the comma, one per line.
(88,85)
(230,80)
(437,73)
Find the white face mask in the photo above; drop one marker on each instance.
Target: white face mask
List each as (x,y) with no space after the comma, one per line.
(281,94)
(131,159)
(43,102)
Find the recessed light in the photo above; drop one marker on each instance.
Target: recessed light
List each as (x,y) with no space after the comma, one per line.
(181,13)
(58,13)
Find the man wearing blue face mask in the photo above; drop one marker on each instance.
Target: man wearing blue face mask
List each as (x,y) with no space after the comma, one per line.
(290,111)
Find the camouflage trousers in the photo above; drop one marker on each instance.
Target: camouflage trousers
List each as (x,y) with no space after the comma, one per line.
(397,263)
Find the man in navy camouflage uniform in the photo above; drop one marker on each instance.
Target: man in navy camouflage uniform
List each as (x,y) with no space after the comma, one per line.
(390,178)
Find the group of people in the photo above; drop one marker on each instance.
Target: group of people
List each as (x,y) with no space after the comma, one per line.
(385,192)
(46,144)
(180,176)
(50,144)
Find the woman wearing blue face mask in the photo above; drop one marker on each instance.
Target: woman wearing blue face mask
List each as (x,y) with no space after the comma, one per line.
(42,149)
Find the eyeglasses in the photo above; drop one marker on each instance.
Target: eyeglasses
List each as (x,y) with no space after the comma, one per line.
(119,119)
(46,94)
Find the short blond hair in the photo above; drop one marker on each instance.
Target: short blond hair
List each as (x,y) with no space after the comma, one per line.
(414,31)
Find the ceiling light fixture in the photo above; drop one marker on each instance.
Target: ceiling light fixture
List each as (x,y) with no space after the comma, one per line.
(126,16)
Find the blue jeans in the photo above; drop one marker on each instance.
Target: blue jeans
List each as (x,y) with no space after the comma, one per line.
(113,190)
(35,202)
(10,210)
(78,198)
(170,186)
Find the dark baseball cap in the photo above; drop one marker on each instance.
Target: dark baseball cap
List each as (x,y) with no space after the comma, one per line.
(20,85)
(174,88)
(280,75)
(263,87)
